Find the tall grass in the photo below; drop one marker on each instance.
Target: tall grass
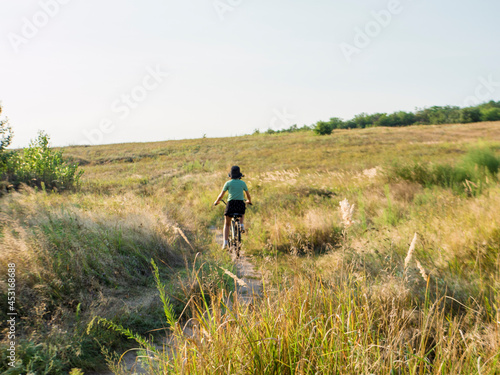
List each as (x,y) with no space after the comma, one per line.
(344,324)
(87,253)
(477,168)
(73,261)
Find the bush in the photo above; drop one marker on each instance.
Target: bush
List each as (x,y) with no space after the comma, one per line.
(5,134)
(39,165)
(5,140)
(323,128)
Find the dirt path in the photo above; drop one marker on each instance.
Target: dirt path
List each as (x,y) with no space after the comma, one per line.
(249,289)
(245,270)
(251,277)
(130,362)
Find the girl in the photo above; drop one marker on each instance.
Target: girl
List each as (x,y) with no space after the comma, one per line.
(235,201)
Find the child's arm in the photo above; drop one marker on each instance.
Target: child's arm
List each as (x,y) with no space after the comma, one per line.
(221,195)
(249,199)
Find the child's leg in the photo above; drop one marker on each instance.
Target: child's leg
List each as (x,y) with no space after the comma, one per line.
(242,218)
(227,223)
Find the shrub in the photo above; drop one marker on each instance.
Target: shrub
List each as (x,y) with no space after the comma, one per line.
(5,140)
(323,128)
(39,165)
(5,134)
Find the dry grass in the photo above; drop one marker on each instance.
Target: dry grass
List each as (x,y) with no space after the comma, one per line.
(344,306)
(340,325)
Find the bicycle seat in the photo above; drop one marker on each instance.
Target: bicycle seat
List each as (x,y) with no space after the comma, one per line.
(236,215)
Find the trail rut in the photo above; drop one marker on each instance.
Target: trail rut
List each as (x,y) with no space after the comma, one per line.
(247,293)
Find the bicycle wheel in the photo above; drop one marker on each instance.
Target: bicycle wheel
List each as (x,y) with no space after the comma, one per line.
(232,239)
(237,242)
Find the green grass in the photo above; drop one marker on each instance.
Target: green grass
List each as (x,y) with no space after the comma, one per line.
(476,169)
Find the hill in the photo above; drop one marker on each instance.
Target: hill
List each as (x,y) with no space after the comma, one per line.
(409,283)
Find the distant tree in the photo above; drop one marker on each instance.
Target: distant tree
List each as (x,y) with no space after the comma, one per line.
(385,120)
(351,124)
(436,116)
(422,116)
(336,123)
(362,120)
(402,118)
(491,114)
(490,104)
(471,114)
(373,119)
(292,129)
(323,128)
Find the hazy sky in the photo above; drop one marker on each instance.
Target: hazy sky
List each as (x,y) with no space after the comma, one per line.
(127,70)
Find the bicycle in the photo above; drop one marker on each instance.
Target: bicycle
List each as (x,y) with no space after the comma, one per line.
(234,240)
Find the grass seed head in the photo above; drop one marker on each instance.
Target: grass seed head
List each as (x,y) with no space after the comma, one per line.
(422,271)
(410,251)
(346,211)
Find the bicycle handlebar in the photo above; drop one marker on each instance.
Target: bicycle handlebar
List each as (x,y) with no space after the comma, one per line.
(222,200)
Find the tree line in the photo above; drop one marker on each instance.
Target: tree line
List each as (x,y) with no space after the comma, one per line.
(435,115)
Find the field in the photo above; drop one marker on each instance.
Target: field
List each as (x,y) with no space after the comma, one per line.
(407,284)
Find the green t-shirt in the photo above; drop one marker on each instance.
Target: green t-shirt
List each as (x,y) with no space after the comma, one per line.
(235,188)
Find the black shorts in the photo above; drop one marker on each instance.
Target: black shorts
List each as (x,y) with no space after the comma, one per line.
(235,207)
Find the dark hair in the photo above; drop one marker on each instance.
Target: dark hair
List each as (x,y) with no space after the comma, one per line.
(235,173)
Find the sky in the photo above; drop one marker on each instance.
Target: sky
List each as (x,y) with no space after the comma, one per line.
(113,71)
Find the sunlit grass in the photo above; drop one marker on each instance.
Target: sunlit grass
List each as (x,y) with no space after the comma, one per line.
(337,299)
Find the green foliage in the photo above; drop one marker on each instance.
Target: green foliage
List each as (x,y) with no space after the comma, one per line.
(425,116)
(389,216)
(469,175)
(431,174)
(292,129)
(318,323)
(470,115)
(484,158)
(119,329)
(38,165)
(106,233)
(323,128)
(33,359)
(41,166)
(6,134)
(491,114)
(55,356)
(167,305)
